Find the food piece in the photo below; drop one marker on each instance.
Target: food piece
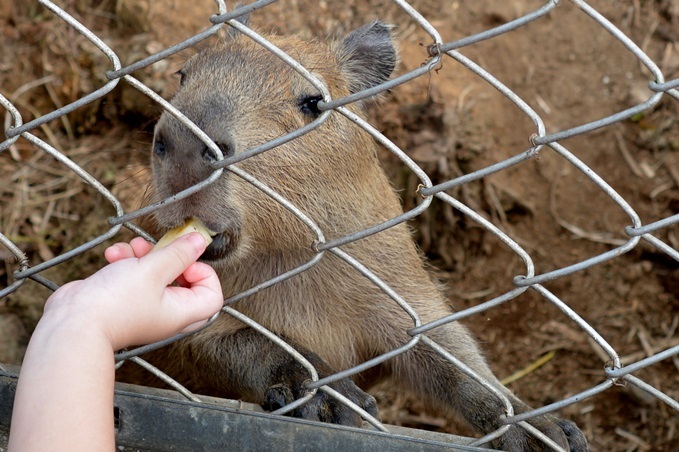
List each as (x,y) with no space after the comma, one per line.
(192,225)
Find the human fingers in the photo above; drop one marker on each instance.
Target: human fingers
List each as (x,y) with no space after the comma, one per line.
(202,281)
(141,247)
(118,251)
(201,274)
(180,308)
(138,247)
(195,326)
(194,304)
(167,263)
(181,279)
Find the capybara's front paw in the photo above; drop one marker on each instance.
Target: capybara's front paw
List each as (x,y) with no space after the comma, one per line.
(563,432)
(322,407)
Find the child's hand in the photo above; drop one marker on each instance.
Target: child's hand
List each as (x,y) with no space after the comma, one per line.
(64,398)
(130,300)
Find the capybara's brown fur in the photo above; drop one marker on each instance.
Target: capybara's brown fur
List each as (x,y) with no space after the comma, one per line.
(242,95)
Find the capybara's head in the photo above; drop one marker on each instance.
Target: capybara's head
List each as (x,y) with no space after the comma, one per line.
(241,95)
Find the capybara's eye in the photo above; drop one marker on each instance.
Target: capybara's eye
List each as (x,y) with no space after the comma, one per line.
(159,148)
(309,105)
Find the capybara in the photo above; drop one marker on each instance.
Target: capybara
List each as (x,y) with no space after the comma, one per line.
(241,95)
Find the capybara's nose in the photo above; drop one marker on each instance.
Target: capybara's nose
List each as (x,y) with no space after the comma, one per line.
(227,147)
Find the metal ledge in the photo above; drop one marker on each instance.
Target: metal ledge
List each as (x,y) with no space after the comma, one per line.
(152,419)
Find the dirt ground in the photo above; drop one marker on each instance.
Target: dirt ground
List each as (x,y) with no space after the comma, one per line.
(451,123)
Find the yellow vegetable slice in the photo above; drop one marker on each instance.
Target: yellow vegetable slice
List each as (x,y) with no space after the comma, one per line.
(192,225)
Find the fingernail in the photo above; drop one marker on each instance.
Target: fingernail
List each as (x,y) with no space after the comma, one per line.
(197,240)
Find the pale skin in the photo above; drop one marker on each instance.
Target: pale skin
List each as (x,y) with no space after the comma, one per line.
(64,398)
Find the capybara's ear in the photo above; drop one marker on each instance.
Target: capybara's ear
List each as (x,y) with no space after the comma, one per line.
(368,55)
(244,19)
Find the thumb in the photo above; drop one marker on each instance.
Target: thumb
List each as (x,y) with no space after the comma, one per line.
(166,264)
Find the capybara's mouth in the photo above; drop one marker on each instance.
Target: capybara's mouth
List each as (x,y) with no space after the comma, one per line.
(222,245)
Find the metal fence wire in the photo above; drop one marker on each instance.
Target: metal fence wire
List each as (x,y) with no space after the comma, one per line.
(440,56)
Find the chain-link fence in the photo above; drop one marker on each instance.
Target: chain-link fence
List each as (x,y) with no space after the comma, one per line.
(437,55)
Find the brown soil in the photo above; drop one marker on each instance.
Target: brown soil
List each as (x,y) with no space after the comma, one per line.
(450,122)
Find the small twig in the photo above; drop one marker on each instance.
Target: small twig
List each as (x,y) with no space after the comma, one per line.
(494,201)
(672,427)
(645,344)
(63,195)
(660,346)
(460,106)
(632,437)
(673,327)
(51,136)
(626,155)
(672,238)
(64,119)
(599,237)
(543,104)
(48,214)
(14,97)
(669,47)
(473,295)
(659,189)
(529,369)
(672,167)
(600,352)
